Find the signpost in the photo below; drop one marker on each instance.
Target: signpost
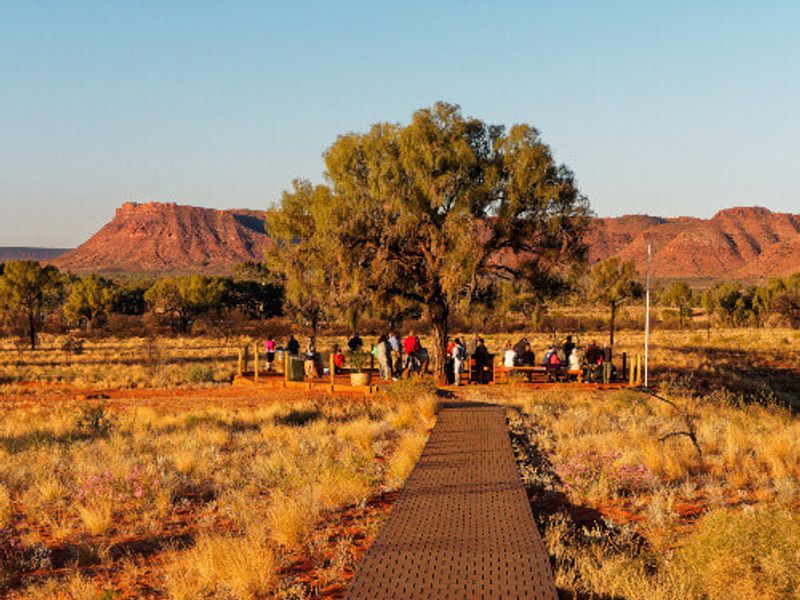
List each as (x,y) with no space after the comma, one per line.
(647,313)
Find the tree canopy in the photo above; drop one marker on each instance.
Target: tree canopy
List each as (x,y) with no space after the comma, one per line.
(612,283)
(90,300)
(27,290)
(431,211)
(183,299)
(679,295)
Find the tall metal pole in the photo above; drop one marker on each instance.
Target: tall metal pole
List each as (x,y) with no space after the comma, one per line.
(647,313)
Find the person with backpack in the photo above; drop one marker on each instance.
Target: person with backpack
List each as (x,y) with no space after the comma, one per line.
(459,355)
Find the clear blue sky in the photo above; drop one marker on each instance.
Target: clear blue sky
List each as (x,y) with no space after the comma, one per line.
(668,108)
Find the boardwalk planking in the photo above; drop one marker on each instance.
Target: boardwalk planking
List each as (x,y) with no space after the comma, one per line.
(462,526)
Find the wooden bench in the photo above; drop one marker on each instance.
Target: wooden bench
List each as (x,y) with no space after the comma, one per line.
(539,374)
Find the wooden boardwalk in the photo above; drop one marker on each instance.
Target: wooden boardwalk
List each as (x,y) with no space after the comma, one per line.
(462,526)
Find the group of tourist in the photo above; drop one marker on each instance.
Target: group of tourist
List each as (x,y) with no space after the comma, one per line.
(593,362)
(396,357)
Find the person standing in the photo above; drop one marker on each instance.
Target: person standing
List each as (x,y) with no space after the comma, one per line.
(269,350)
(396,356)
(384,354)
(292,346)
(449,360)
(482,360)
(355,343)
(411,347)
(459,356)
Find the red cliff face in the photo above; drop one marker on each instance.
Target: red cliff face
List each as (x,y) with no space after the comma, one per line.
(736,243)
(744,242)
(158,237)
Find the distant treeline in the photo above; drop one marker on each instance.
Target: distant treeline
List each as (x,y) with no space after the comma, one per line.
(36,298)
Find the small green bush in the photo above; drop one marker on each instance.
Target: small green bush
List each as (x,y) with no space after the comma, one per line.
(94,420)
(200,374)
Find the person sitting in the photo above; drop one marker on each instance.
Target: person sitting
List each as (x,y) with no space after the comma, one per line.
(338,359)
(575,360)
(509,356)
(568,347)
(594,360)
(553,360)
(546,356)
(311,358)
(528,358)
(519,347)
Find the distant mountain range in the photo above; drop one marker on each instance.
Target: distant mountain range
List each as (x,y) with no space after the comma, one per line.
(746,243)
(13,253)
(736,243)
(161,238)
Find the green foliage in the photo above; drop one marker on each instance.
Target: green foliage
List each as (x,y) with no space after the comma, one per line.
(94,420)
(28,290)
(197,374)
(679,295)
(425,212)
(303,253)
(89,300)
(612,283)
(736,305)
(183,299)
(358,360)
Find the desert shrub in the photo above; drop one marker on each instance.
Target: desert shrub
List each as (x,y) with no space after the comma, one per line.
(223,566)
(291,517)
(197,374)
(411,389)
(94,419)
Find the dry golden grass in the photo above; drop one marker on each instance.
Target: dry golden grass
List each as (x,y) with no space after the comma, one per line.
(249,482)
(602,450)
(222,566)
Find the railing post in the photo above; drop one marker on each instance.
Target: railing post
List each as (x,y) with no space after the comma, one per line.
(624,365)
(333,372)
(255,358)
(239,363)
(246,358)
(285,369)
(638,369)
(494,369)
(371,358)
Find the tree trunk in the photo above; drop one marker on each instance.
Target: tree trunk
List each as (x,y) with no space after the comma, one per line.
(611,326)
(32,329)
(438,313)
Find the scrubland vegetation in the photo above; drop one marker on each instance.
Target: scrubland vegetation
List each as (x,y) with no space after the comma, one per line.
(237,499)
(631,508)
